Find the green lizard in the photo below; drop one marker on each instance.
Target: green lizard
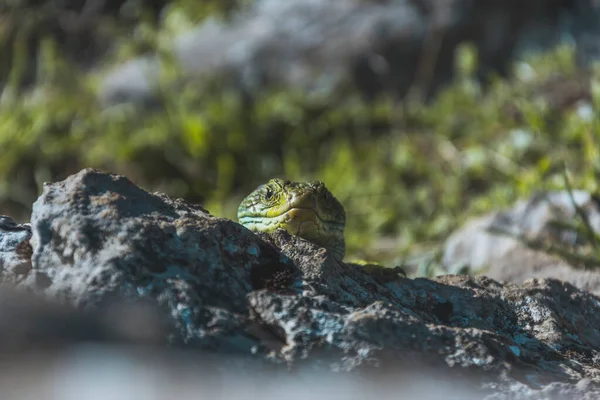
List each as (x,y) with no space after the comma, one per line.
(305,209)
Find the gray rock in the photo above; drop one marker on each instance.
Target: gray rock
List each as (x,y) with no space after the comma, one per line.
(99,372)
(320,45)
(97,237)
(15,250)
(99,241)
(490,244)
(31,325)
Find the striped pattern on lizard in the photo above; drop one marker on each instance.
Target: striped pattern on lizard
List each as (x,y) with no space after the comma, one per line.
(305,209)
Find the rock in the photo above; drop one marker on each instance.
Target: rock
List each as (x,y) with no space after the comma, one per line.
(98,237)
(320,45)
(15,250)
(324,275)
(490,244)
(30,325)
(99,372)
(267,301)
(586,389)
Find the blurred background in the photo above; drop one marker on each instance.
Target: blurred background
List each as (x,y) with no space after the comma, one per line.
(415,113)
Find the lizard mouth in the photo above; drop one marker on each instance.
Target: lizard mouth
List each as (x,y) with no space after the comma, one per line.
(303,222)
(295,217)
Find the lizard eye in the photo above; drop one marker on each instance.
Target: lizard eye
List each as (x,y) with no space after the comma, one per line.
(269,193)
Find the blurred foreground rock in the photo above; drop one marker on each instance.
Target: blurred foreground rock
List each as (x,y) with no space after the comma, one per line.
(15,250)
(323,45)
(493,244)
(255,307)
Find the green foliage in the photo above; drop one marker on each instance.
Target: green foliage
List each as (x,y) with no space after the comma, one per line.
(408,174)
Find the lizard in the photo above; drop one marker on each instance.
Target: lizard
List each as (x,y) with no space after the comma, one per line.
(305,209)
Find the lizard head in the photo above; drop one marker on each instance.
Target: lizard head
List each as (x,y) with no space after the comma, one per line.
(305,209)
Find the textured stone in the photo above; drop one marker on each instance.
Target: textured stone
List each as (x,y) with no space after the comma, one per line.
(15,250)
(98,236)
(267,301)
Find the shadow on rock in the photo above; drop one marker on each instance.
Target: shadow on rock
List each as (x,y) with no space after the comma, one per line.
(100,243)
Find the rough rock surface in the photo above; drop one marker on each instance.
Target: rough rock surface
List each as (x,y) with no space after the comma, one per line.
(319,45)
(490,244)
(15,250)
(277,300)
(97,237)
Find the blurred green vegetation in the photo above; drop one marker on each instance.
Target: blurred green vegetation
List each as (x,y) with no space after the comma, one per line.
(408,173)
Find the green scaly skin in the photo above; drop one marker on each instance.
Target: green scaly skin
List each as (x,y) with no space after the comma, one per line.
(305,209)
(308,210)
